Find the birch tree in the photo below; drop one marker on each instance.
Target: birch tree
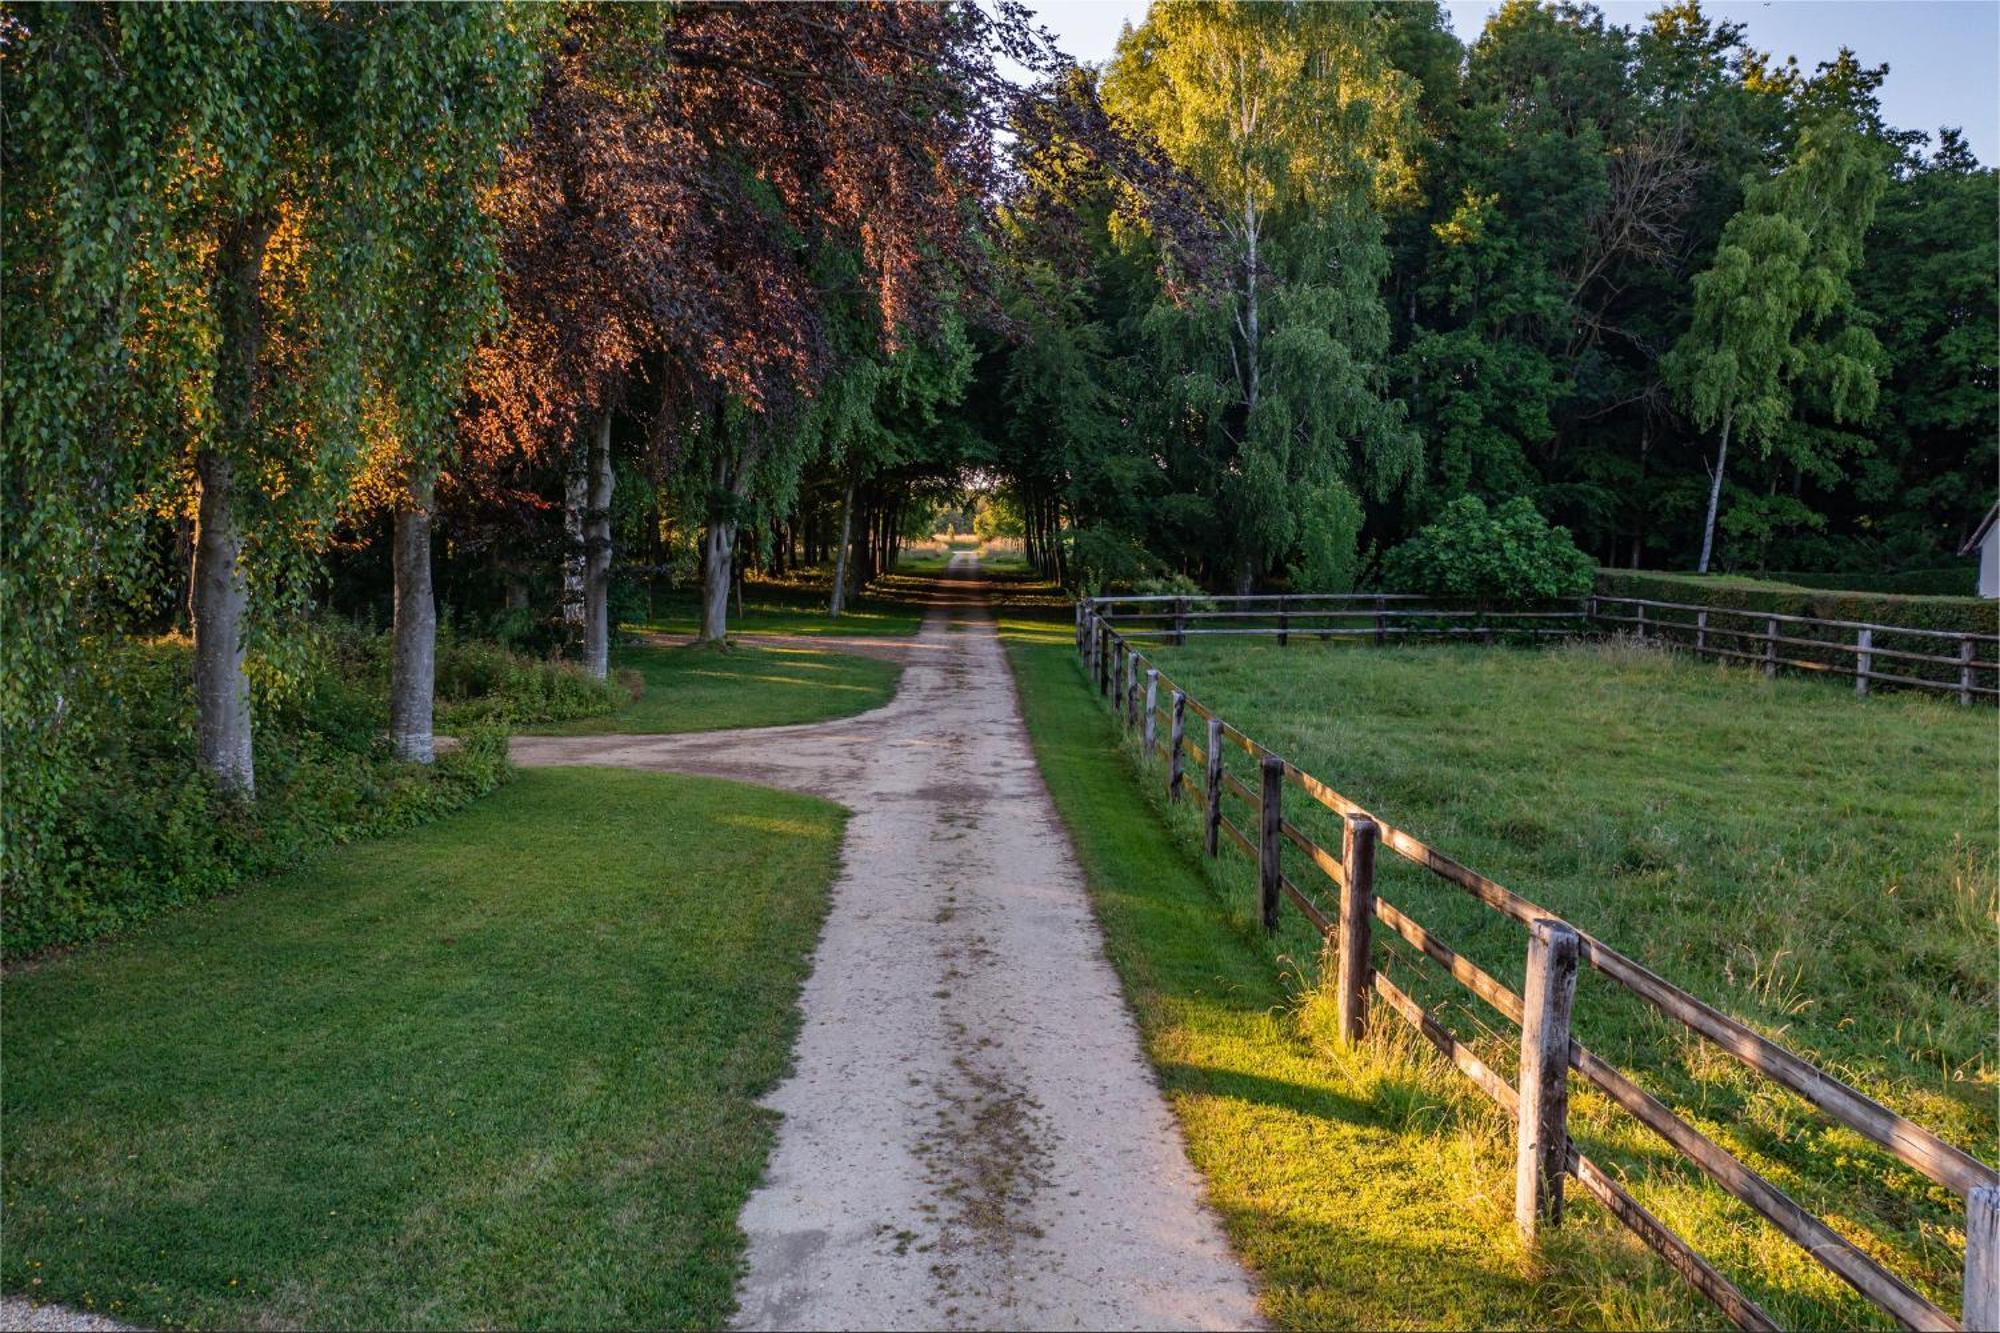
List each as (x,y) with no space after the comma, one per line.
(1770,314)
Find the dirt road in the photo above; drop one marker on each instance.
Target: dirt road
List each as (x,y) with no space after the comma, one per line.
(971,1135)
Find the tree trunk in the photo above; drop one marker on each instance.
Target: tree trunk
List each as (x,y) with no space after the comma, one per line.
(413,665)
(597,555)
(219,596)
(576,499)
(221,602)
(839,602)
(1714,498)
(719,546)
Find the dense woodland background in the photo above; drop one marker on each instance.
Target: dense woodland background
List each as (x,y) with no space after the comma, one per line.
(359,358)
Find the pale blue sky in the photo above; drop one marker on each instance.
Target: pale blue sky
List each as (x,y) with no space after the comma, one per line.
(1943,55)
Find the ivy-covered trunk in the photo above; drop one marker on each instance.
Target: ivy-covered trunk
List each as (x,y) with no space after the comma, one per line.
(413,668)
(220,595)
(597,555)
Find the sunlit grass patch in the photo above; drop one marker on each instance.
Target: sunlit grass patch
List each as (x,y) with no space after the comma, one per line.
(1822,868)
(700,688)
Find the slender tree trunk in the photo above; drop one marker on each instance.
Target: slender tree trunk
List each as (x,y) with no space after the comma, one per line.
(1714,498)
(839,602)
(413,667)
(221,604)
(576,499)
(597,555)
(219,595)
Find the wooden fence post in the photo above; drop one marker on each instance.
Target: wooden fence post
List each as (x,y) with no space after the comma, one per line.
(1132,691)
(1982,1258)
(1700,633)
(1641,609)
(1103,658)
(1079,626)
(1284,621)
(1864,661)
(1270,814)
(1357,912)
(1176,746)
(1965,670)
(1180,622)
(1542,1135)
(1771,649)
(1381,621)
(1118,680)
(1212,788)
(1152,709)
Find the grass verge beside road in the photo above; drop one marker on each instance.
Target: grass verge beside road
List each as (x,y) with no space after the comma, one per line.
(1366,1189)
(499,1071)
(697,687)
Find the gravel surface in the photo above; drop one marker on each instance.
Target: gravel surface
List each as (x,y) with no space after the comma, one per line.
(971,1135)
(17,1312)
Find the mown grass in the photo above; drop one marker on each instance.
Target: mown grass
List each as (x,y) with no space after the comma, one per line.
(699,687)
(795,604)
(498,1072)
(1822,868)
(1365,1188)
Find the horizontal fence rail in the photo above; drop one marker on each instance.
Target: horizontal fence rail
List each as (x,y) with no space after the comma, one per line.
(1142,695)
(1950,662)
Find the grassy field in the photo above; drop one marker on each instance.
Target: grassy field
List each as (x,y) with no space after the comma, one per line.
(501,1071)
(698,687)
(1819,867)
(792,605)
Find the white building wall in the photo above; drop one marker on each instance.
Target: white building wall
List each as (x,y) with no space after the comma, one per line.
(1989,563)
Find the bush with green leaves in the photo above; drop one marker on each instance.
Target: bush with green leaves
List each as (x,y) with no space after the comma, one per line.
(141,830)
(1501,556)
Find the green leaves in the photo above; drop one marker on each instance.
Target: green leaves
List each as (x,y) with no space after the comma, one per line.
(1503,556)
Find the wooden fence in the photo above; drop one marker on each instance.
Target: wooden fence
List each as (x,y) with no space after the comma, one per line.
(1947,661)
(1145,699)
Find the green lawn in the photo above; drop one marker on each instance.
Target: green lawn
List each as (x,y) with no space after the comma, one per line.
(793,605)
(697,687)
(500,1071)
(1821,867)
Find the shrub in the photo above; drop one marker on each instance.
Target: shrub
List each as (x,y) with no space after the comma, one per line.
(1506,555)
(141,830)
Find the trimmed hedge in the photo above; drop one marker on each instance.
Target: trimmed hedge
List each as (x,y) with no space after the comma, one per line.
(1961,615)
(1837,661)
(1958,581)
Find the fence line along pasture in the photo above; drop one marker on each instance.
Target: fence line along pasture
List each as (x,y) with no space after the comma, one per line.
(1143,697)
(1948,661)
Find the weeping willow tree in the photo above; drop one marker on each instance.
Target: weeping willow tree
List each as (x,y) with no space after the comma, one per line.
(1273,397)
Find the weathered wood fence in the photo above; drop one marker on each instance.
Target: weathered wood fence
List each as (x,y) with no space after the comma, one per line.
(1947,661)
(1144,699)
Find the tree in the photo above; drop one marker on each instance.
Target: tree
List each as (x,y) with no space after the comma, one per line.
(1769,314)
(1292,119)
(213,191)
